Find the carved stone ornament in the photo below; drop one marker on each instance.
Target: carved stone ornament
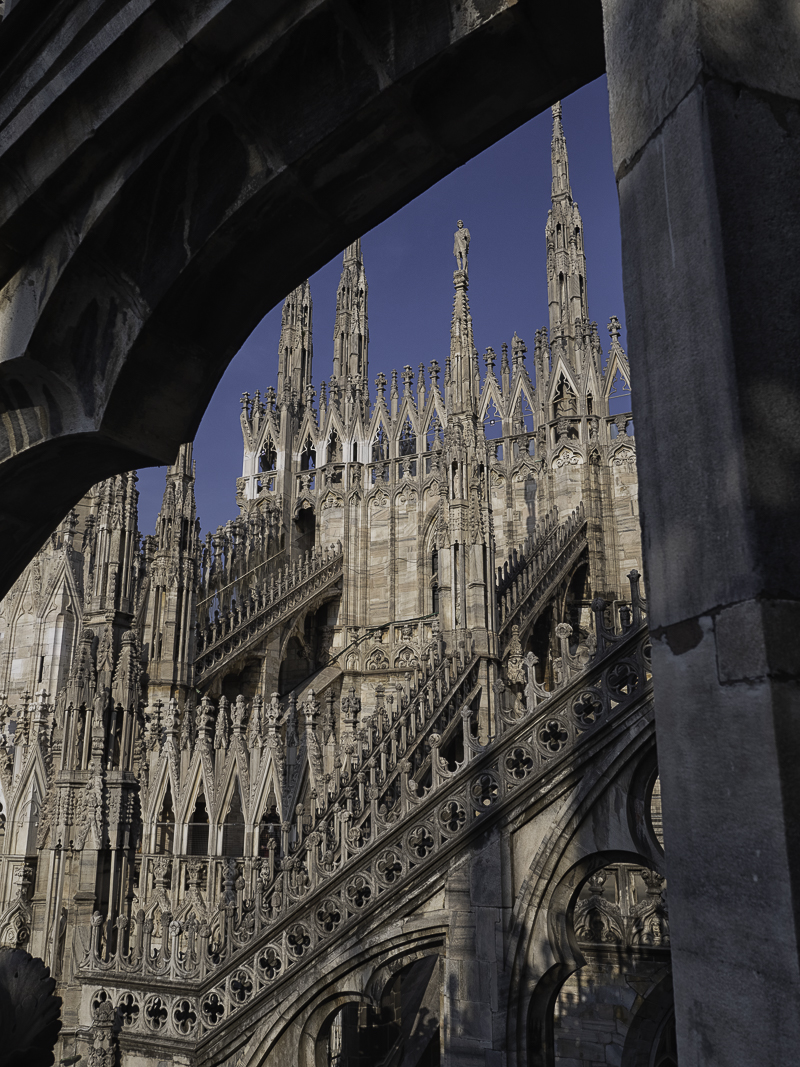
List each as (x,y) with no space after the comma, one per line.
(30,1014)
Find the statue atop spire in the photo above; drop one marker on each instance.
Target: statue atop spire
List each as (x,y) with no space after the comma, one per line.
(461,241)
(464,385)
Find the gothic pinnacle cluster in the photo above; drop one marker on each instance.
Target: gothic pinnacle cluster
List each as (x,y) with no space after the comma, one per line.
(345,710)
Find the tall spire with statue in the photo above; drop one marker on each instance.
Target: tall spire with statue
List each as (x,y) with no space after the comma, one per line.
(463,361)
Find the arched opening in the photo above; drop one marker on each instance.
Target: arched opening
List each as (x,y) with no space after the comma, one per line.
(245,681)
(621,926)
(380,446)
(296,665)
(435,581)
(407,444)
(403,1030)
(305,526)
(269,828)
(268,459)
(165,825)
(197,837)
(308,456)
(334,448)
(578,603)
(233,825)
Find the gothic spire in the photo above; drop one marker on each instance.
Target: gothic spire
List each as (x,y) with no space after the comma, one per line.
(351,328)
(566,261)
(463,353)
(558,156)
(295,348)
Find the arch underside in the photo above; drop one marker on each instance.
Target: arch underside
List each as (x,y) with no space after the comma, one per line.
(154,264)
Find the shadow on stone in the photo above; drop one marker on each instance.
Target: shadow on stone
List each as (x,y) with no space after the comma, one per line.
(30,1013)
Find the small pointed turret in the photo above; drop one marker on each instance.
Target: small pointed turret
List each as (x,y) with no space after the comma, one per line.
(351,328)
(295,348)
(173,571)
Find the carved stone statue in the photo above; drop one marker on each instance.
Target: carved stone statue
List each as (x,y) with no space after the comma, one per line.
(461,245)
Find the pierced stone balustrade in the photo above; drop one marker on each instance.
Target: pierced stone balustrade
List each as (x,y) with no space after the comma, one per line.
(283,594)
(376,833)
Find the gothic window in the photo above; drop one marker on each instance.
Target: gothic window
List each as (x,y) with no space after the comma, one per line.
(165,826)
(562,296)
(559,238)
(334,448)
(268,460)
(408,439)
(435,581)
(27,823)
(269,827)
(433,432)
(589,405)
(355,452)
(492,423)
(380,446)
(197,840)
(619,397)
(578,236)
(565,404)
(308,457)
(233,827)
(526,413)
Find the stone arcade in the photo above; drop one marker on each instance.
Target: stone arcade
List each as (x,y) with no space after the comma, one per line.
(369,775)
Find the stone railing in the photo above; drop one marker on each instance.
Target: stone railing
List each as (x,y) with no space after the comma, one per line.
(535,577)
(285,593)
(522,556)
(190,978)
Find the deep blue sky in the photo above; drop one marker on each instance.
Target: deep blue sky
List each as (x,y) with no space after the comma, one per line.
(503,196)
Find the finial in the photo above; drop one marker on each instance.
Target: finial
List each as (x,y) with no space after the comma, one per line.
(434,372)
(518,348)
(380,385)
(408,378)
(489,359)
(615,329)
(556,110)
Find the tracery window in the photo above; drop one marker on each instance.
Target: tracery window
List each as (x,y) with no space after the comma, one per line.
(233,827)
(165,826)
(197,840)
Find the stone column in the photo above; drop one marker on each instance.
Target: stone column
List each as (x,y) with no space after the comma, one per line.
(705,119)
(472,1022)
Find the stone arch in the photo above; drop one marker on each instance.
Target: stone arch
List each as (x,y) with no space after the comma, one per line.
(586,836)
(650,1027)
(311,1050)
(356,977)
